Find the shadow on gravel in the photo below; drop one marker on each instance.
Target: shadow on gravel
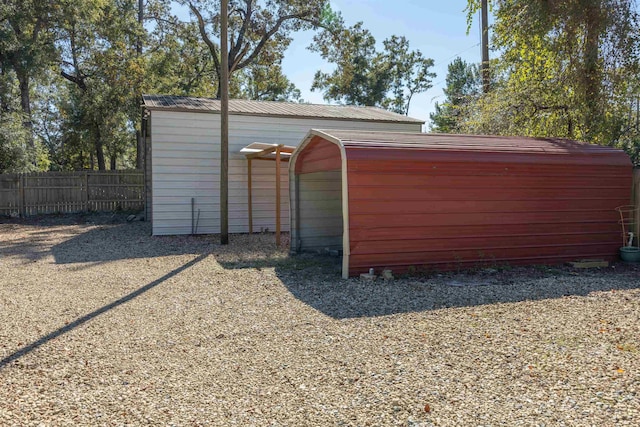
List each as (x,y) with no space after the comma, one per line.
(325,291)
(91,238)
(87,317)
(125,241)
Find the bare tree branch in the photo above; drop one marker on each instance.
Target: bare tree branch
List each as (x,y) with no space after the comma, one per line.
(203,32)
(266,36)
(235,48)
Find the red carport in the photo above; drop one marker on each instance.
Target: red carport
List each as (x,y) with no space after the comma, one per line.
(428,201)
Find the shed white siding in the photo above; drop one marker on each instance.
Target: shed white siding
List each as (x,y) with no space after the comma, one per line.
(185,158)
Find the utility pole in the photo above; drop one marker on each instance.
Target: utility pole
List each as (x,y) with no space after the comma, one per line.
(224,125)
(139,132)
(486,76)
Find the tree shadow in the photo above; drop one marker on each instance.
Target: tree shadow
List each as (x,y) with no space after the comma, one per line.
(92,315)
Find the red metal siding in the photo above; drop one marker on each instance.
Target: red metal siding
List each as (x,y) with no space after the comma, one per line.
(449,210)
(319,155)
(458,201)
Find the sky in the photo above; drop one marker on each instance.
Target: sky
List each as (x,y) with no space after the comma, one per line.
(437,28)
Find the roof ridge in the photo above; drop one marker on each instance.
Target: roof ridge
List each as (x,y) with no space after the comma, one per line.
(277,108)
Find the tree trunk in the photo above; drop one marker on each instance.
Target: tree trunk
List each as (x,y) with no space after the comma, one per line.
(139,141)
(99,149)
(591,70)
(25,103)
(4,101)
(113,159)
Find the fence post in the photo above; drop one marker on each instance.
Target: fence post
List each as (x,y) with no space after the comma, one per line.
(21,196)
(86,191)
(636,202)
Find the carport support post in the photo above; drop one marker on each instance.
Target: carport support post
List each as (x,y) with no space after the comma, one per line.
(278,195)
(249,198)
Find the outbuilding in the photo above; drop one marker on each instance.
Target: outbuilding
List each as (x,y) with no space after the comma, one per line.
(183,157)
(428,201)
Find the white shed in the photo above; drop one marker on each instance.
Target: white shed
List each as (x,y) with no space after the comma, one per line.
(183,156)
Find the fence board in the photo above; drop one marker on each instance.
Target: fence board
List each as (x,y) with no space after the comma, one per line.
(636,202)
(66,192)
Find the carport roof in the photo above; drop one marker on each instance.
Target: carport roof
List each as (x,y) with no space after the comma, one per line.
(275,109)
(460,142)
(425,147)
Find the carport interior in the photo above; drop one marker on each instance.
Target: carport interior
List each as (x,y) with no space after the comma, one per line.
(320,211)
(318,215)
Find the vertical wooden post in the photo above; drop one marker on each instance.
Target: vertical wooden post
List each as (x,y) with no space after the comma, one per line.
(278,195)
(249,196)
(486,76)
(224,124)
(636,202)
(86,191)
(21,197)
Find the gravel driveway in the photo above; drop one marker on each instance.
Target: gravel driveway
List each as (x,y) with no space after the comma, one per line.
(101,324)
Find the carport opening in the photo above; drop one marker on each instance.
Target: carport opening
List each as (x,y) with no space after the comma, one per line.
(320,220)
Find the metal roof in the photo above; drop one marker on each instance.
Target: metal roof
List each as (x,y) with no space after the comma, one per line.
(275,109)
(460,142)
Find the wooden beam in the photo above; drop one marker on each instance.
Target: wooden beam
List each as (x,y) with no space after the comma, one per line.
(250,195)
(278,195)
(262,153)
(282,159)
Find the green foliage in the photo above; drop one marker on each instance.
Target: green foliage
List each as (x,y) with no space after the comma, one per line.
(566,68)
(463,87)
(16,152)
(365,76)
(99,61)
(264,83)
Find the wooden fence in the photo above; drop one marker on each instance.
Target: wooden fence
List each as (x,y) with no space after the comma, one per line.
(636,200)
(64,192)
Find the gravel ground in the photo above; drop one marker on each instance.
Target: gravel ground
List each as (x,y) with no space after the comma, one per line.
(101,324)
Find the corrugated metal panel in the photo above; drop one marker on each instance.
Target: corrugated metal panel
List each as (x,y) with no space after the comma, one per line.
(185,153)
(320,155)
(276,109)
(461,204)
(321,210)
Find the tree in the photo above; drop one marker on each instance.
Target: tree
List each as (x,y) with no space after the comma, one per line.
(26,47)
(18,152)
(462,87)
(259,31)
(264,83)
(98,57)
(364,76)
(568,68)
(180,63)
(408,71)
